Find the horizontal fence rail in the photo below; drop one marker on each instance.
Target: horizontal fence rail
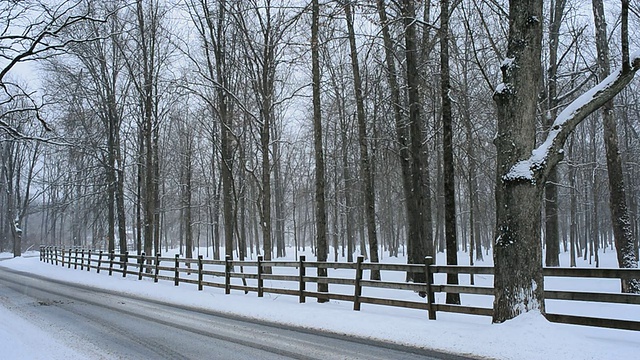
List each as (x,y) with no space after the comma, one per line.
(220,274)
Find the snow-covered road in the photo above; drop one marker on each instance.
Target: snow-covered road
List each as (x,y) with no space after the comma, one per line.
(76,319)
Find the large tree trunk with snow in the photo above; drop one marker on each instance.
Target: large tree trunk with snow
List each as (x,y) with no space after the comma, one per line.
(518,277)
(517,256)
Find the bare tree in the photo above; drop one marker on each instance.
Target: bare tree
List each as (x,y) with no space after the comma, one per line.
(447,151)
(365,161)
(321,212)
(622,231)
(421,246)
(32,31)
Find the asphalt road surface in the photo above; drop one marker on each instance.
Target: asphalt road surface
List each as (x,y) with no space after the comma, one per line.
(105,324)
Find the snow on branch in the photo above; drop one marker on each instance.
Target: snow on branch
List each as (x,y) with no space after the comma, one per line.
(543,158)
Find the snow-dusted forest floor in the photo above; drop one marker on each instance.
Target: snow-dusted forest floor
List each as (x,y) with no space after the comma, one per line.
(527,337)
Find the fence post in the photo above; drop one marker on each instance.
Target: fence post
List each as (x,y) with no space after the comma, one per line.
(141,266)
(56,255)
(358,288)
(227,274)
(176,275)
(82,259)
(157,270)
(111,257)
(75,259)
(62,256)
(199,272)
(41,252)
(302,284)
(260,280)
(99,262)
(125,263)
(69,262)
(431,306)
(89,261)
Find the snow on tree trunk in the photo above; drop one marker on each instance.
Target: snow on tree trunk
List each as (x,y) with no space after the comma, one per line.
(518,279)
(517,256)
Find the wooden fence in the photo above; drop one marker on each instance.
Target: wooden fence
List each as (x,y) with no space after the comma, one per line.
(219,274)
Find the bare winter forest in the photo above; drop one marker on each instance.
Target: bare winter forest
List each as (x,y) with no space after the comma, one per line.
(347,127)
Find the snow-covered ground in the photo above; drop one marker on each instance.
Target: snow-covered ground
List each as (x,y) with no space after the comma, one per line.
(529,336)
(20,339)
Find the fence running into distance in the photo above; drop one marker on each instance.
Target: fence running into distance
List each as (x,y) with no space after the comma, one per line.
(201,272)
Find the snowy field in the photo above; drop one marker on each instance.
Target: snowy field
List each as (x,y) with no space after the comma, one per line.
(527,337)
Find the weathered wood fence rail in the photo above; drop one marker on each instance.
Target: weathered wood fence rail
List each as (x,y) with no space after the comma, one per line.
(204,272)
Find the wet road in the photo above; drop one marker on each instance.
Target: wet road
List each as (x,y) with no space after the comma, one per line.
(108,325)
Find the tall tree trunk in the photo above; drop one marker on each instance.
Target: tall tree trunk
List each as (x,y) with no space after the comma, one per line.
(111,191)
(147,100)
(120,209)
(365,163)
(551,190)
(321,211)
(573,210)
(226,151)
(348,196)
(620,219)
(417,250)
(139,189)
(279,196)
(418,247)
(518,280)
(265,211)
(595,218)
(447,152)
(188,229)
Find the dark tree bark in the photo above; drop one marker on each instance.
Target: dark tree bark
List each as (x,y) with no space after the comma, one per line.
(365,161)
(146,89)
(447,152)
(552,240)
(321,211)
(417,250)
(279,195)
(621,222)
(518,280)
(186,192)
(518,189)
(415,235)
(212,30)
